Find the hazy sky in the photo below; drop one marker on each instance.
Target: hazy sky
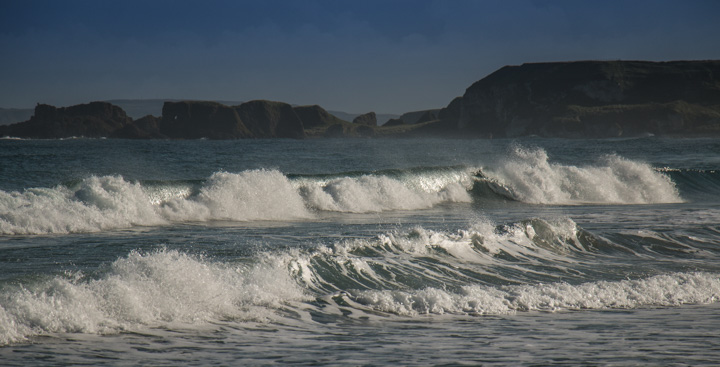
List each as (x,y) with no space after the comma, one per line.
(353,56)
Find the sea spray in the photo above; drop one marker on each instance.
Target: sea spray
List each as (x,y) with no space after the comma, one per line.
(249,195)
(532,178)
(94,204)
(377,193)
(111,202)
(147,290)
(418,257)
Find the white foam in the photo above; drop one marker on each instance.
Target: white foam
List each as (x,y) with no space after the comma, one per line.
(422,255)
(98,203)
(246,196)
(532,178)
(661,290)
(148,290)
(481,242)
(370,193)
(111,202)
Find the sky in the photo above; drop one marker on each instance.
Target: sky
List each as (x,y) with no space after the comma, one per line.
(390,56)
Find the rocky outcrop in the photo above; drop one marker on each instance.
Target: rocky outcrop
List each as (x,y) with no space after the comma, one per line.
(91,120)
(336,131)
(315,116)
(591,99)
(394,122)
(417,117)
(147,127)
(267,119)
(196,119)
(427,116)
(585,99)
(367,119)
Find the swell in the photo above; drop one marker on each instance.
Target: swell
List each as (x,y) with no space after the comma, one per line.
(695,184)
(146,290)
(111,202)
(526,176)
(531,265)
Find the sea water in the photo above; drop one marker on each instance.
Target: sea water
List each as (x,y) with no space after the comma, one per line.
(360,252)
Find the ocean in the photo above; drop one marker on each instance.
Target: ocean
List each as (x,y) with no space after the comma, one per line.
(360,252)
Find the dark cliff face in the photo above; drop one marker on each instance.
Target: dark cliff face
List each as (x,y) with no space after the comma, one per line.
(267,119)
(368,119)
(315,116)
(586,99)
(92,120)
(194,120)
(574,99)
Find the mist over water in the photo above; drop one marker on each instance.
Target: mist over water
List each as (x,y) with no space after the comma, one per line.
(265,251)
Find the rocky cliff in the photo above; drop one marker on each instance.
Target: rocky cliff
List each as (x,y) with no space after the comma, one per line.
(93,120)
(195,120)
(267,119)
(369,119)
(583,99)
(591,99)
(179,120)
(315,116)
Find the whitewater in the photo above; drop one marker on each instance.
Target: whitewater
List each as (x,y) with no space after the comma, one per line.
(367,251)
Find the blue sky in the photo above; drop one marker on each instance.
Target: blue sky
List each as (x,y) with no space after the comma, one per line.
(354,56)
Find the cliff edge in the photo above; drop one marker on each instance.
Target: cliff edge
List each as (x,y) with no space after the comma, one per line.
(591,99)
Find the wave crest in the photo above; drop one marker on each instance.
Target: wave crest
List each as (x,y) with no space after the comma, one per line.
(150,290)
(530,177)
(661,290)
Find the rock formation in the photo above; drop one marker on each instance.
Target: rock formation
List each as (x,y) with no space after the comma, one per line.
(368,119)
(592,99)
(315,116)
(147,127)
(267,119)
(394,122)
(416,117)
(195,120)
(91,120)
(584,99)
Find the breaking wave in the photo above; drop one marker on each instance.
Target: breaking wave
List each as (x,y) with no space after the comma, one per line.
(111,202)
(527,175)
(486,269)
(151,290)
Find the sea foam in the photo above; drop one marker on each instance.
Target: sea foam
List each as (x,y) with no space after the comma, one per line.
(530,177)
(95,204)
(661,290)
(111,202)
(147,290)
(378,193)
